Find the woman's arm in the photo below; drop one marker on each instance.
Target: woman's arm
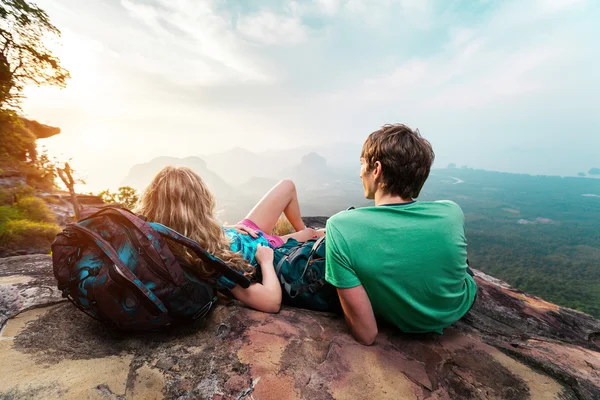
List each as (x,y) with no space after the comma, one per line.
(265,296)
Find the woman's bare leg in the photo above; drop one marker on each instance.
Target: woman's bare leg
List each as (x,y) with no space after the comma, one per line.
(282,198)
(304,235)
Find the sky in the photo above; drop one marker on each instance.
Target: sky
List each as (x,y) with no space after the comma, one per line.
(503,85)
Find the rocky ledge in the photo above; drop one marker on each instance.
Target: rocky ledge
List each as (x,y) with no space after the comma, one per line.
(510,346)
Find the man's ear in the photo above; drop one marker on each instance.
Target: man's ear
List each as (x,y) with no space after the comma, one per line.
(377,170)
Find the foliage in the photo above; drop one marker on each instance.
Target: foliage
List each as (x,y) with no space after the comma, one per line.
(9,195)
(41,172)
(126,195)
(23,233)
(25,59)
(283,227)
(25,220)
(6,197)
(35,209)
(17,142)
(45,171)
(7,214)
(29,224)
(556,257)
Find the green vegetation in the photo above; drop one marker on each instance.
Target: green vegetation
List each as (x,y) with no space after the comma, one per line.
(127,196)
(35,209)
(538,233)
(26,224)
(26,234)
(24,31)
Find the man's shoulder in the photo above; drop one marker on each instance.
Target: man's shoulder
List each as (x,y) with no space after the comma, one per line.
(447,210)
(346,218)
(448,203)
(448,206)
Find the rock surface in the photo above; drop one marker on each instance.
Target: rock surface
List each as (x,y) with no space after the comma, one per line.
(509,346)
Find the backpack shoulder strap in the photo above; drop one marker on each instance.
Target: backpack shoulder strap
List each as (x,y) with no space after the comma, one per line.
(160,255)
(294,289)
(316,246)
(122,272)
(205,256)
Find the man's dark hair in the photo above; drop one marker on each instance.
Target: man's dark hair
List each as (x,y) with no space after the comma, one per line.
(405,158)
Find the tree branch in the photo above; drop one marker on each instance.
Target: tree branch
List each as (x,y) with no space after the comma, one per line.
(67,178)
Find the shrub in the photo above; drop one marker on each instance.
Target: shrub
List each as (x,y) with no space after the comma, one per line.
(6,197)
(126,196)
(35,209)
(8,213)
(26,234)
(283,227)
(13,191)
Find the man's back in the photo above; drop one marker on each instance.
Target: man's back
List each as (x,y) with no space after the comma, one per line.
(410,258)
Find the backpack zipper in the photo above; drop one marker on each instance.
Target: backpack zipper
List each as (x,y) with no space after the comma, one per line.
(152,264)
(154,306)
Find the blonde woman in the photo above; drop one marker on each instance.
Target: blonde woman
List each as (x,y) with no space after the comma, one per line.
(178,198)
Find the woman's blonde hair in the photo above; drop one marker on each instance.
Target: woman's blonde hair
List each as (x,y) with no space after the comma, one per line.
(178,198)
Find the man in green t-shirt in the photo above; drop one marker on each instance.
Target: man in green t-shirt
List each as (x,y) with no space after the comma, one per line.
(402,261)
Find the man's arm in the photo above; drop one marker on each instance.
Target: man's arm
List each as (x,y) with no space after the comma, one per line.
(359,314)
(353,296)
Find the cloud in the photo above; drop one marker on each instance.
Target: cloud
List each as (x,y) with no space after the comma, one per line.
(329,6)
(558,5)
(476,66)
(413,12)
(192,42)
(186,75)
(268,28)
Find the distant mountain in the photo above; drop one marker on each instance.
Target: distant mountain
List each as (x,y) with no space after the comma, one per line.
(256,187)
(312,172)
(140,175)
(237,165)
(594,171)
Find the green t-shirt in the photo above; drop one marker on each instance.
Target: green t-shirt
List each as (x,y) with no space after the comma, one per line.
(410,258)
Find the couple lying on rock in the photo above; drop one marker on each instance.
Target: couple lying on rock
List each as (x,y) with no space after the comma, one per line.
(402,261)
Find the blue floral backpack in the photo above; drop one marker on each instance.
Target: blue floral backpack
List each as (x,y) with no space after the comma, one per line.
(118,269)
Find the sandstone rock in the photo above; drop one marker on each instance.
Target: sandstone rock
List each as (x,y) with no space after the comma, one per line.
(509,346)
(39,130)
(26,282)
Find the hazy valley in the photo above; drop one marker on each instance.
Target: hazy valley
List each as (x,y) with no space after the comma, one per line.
(540,233)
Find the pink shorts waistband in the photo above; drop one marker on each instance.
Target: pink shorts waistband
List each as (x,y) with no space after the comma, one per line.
(274,240)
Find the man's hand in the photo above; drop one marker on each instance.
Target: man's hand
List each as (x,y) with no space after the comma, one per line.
(243,229)
(359,314)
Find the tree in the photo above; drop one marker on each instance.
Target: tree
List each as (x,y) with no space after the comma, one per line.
(108,197)
(66,176)
(24,57)
(126,196)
